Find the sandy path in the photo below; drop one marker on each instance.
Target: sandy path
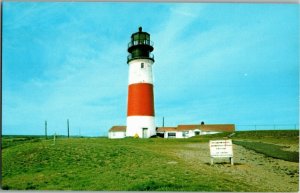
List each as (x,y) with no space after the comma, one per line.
(267,173)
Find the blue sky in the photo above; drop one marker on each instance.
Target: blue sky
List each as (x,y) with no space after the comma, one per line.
(217,63)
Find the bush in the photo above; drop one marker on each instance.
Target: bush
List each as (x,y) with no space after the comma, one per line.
(155,186)
(5,187)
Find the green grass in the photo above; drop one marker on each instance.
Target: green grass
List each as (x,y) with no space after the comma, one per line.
(269,147)
(10,141)
(103,164)
(282,136)
(270,136)
(270,150)
(30,163)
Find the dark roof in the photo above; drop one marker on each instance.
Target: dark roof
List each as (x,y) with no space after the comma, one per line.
(117,129)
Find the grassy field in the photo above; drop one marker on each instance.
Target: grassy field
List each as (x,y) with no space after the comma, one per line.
(270,150)
(136,164)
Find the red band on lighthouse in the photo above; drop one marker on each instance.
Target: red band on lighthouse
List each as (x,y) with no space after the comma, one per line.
(140,100)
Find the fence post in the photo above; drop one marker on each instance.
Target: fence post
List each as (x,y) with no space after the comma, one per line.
(54,138)
(68,128)
(231,160)
(46,129)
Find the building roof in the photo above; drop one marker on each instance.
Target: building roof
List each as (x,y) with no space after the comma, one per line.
(218,127)
(118,129)
(187,127)
(212,127)
(164,129)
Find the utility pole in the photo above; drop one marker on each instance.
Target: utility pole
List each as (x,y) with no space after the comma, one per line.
(46,129)
(68,128)
(163,122)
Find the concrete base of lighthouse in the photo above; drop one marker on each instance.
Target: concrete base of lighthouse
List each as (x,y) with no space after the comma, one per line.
(143,126)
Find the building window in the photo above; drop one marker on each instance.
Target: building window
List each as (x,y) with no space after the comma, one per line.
(171,135)
(142,65)
(185,133)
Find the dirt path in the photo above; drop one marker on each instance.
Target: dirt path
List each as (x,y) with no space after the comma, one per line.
(268,174)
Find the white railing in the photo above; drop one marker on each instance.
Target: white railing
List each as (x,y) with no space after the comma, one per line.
(140,42)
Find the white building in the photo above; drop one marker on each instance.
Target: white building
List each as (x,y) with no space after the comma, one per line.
(186,131)
(181,131)
(117,132)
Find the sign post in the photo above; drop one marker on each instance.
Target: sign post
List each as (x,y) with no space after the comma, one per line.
(221,149)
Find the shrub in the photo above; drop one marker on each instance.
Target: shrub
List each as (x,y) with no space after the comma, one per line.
(5,187)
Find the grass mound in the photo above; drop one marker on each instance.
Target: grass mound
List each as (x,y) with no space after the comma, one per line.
(8,142)
(270,136)
(102,164)
(156,164)
(270,150)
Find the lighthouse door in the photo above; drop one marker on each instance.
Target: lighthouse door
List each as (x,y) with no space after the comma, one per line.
(145,131)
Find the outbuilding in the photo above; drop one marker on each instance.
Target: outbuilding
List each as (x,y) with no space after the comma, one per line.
(181,131)
(186,131)
(117,132)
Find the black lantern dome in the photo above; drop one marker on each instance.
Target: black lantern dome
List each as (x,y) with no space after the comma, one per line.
(140,46)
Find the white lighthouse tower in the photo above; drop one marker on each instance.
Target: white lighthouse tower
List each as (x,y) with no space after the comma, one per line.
(140,106)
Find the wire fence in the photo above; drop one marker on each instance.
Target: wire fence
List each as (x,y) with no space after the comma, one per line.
(267,127)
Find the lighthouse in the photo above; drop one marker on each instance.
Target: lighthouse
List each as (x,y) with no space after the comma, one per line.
(140,104)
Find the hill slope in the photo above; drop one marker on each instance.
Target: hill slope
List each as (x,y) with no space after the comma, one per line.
(141,164)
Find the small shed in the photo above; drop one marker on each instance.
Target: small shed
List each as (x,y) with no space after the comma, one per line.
(166,132)
(117,132)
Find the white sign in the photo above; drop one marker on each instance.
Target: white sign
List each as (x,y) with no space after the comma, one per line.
(220,148)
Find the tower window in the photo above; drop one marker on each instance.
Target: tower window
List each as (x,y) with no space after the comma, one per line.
(142,65)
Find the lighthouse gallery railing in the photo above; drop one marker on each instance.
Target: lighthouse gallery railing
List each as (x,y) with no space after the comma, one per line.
(130,57)
(140,42)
